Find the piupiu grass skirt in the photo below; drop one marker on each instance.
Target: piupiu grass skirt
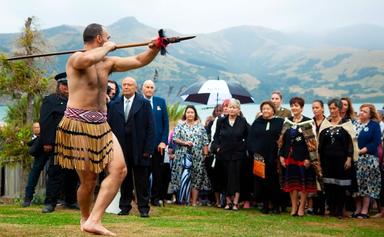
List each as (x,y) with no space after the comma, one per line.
(83,145)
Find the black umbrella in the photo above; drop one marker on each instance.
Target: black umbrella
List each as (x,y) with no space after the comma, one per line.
(213,92)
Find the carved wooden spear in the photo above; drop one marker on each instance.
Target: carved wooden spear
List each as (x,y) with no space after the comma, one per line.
(162,41)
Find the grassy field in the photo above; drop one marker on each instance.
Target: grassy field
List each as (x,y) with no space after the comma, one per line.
(183,221)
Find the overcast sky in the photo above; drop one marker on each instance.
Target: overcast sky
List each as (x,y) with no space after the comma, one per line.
(196,16)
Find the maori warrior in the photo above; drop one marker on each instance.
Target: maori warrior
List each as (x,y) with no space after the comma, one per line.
(85,141)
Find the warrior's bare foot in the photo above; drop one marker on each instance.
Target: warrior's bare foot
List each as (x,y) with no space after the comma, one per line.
(82,221)
(96,228)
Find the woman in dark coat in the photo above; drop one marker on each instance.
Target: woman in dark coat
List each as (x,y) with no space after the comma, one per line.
(262,141)
(336,153)
(230,144)
(296,154)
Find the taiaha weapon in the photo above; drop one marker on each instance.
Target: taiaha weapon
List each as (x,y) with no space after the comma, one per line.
(161,42)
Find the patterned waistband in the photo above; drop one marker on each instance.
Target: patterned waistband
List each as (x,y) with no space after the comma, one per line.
(87,116)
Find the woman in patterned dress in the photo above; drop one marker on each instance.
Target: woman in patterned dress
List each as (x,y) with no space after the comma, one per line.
(296,156)
(191,139)
(367,167)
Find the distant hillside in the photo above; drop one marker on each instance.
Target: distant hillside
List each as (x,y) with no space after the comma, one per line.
(345,62)
(357,36)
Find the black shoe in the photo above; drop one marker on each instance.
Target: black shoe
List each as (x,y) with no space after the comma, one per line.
(48,208)
(265,210)
(123,213)
(73,206)
(276,210)
(354,215)
(310,212)
(156,203)
(26,203)
(144,214)
(362,216)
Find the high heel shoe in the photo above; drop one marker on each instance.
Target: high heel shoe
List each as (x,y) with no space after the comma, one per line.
(300,214)
(294,213)
(228,206)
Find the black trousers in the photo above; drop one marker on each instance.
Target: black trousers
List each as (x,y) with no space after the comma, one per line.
(246,179)
(157,176)
(335,196)
(268,189)
(137,178)
(38,165)
(233,174)
(60,182)
(165,179)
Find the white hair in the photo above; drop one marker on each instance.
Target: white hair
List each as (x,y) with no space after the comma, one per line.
(234,102)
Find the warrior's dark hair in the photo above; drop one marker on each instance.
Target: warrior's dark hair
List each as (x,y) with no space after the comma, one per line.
(91,31)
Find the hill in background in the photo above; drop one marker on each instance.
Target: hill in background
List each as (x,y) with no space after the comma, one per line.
(347,61)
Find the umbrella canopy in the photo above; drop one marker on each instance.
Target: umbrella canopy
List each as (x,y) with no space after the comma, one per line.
(213,92)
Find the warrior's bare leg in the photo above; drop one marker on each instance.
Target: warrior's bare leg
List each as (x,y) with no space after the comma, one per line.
(85,194)
(117,171)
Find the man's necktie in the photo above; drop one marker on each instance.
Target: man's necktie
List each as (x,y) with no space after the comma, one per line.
(126,110)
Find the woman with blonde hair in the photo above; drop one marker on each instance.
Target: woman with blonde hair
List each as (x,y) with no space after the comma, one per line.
(230,145)
(367,165)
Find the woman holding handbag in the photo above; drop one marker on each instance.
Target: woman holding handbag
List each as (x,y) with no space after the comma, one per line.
(262,143)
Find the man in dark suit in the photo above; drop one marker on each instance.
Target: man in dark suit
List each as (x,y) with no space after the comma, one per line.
(51,113)
(160,115)
(39,162)
(131,120)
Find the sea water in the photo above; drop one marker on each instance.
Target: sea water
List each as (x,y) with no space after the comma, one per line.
(3,112)
(249,110)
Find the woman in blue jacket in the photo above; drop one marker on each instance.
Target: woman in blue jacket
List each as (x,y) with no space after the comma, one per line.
(367,166)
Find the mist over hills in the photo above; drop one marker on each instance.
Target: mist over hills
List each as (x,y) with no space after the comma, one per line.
(347,61)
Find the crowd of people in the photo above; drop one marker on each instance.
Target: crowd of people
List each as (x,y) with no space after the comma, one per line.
(328,164)
(312,165)
(325,165)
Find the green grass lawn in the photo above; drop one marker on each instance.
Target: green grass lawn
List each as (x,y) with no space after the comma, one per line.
(184,221)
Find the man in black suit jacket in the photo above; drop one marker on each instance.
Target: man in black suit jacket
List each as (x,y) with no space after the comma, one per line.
(158,169)
(131,120)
